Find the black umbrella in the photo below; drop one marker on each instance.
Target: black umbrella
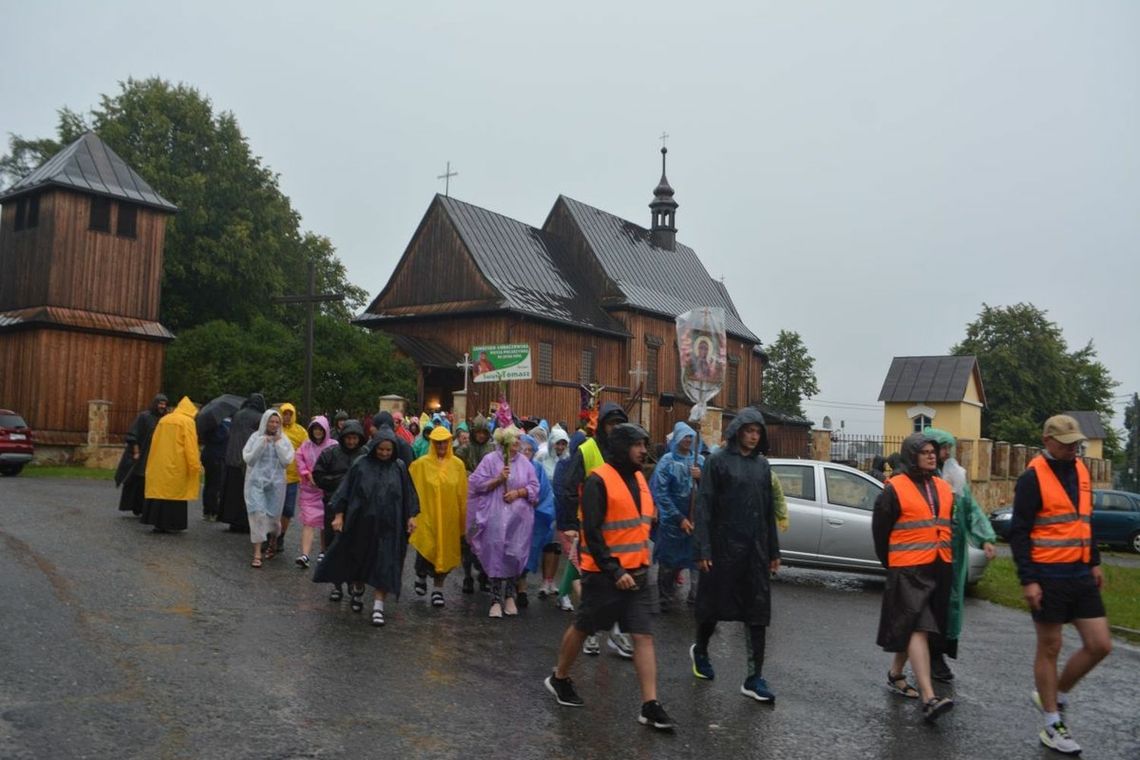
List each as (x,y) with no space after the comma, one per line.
(212,414)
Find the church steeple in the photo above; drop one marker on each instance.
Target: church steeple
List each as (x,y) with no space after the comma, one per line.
(663,232)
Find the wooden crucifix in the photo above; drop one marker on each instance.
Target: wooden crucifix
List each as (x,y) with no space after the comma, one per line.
(466,366)
(593,390)
(446,177)
(310,299)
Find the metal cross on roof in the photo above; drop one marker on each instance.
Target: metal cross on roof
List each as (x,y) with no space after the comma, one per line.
(664,136)
(446,177)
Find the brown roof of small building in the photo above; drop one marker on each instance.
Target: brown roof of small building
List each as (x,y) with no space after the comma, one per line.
(930,379)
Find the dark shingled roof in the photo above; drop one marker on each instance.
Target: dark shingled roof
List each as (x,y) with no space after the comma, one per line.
(653,279)
(929,378)
(1090,423)
(524,264)
(89,166)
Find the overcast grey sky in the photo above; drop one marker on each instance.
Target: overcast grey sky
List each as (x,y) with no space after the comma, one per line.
(864,173)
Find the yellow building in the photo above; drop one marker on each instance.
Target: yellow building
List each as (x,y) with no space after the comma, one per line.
(941,391)
(1092,426)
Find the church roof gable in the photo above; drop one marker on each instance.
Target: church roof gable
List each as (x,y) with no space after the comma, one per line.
(88,165)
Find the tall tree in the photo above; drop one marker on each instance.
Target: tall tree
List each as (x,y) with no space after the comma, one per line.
(1130,471)
(1030,374)
(789,376)
(236,240)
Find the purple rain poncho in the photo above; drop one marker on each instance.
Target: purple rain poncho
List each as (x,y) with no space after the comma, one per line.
(499,532)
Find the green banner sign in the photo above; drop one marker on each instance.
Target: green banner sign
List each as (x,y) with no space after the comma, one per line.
(509,361)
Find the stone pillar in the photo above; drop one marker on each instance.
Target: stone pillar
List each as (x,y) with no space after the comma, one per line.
(964,451)
(1017,459)
(459,406)
(393,403)
(1001,460)
(984,459)
(821,445)
(1106,473)
(98,423)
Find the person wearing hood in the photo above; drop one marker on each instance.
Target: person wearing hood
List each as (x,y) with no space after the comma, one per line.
(244,424)
(374,512)
(339,421)
(911,526)
(501,496)
(478,447)
(131,473)
(543,547)
(214,469)
(588,457)
(422,444)
(566,526)
(267,453)
(385,419)
(297,435)
(173,469)
(554,451)
(971,528)
(311,497)
(546,459)
(441,486)
(672,488)
(879,468)
(462,435)
(328,473)
(736,547)
(616,516)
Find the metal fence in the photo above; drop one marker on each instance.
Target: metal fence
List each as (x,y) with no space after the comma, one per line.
(858,450)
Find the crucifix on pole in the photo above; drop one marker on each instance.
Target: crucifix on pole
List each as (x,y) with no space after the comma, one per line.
(446,177)
(310,299)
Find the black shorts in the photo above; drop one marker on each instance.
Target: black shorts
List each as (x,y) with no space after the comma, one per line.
(1066,599)
(604,604)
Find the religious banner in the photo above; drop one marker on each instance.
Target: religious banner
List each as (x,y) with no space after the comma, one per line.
(703,350)
(502,362)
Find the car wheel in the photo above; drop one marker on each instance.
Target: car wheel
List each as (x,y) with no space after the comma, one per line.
(11,470)
(1134,540)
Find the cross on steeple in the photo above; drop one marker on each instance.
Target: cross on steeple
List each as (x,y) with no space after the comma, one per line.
(446,177)
(664,136)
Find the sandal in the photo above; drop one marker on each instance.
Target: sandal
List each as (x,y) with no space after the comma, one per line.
(437,599)
(420,586)
(268,551)
(906,690)
(935,707)
(357,602)
(377,617)
(336,594)
(256,562)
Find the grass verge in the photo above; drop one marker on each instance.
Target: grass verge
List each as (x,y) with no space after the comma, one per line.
(54,471)
(1121,592)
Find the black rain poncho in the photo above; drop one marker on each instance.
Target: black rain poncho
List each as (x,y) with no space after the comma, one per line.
(377,499)
(736,529)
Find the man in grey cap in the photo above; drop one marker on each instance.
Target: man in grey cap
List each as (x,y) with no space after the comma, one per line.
(1059,568)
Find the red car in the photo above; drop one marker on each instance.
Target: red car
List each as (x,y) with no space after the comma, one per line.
(15,443)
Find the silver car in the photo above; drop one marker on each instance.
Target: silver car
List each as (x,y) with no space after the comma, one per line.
(829,513)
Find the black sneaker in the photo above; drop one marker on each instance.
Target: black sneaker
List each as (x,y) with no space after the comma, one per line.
(484,584)
(653,714)
(281,543)
(563,691)
(939,670)
(468,585)
(521,600)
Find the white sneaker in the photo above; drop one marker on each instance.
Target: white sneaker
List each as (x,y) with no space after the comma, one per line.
(1057,737)
(565,604)
(622,644)
(591,645)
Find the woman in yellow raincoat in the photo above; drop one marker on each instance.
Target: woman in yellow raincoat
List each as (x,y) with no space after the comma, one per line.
(441,484)
(173,468)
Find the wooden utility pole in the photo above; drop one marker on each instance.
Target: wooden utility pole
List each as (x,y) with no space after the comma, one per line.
(310,299)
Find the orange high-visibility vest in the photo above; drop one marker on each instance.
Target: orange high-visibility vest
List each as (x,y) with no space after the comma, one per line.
(919,537)
(626,530)
(1062,532)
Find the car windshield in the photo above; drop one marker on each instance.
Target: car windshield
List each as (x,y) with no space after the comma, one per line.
(12,421)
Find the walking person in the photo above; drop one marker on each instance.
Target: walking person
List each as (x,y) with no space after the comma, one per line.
(131,473)
(296,435)
(911,526)
(310,498)
(267,453)
(173,469)
(328,473)
(1058,564)
(736,548)
(374,512)
(617,514)
(214,469)
(244,424)
(672,487)
(441,486)
(543,547)
(970,527)
(501,496)
(478,446)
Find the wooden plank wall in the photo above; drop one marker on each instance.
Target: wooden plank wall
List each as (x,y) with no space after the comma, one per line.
(56,372)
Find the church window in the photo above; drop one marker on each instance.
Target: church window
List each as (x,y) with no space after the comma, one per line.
(127,224)
(33,217)
(545,362)
(732,378)
(651,361)
(100,215)
(586,369)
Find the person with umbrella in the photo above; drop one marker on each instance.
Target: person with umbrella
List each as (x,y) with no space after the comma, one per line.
(213,423)
(244,424)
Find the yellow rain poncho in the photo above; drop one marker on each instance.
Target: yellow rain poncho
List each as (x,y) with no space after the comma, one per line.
(174,464)
(297,434)
(441,485)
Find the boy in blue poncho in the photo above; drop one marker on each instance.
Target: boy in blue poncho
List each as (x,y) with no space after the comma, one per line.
(672,486)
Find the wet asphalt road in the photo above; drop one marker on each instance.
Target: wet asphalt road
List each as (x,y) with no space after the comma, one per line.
(118,643)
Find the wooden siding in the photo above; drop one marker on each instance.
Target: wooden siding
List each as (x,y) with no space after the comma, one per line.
(48,376)
(63,263)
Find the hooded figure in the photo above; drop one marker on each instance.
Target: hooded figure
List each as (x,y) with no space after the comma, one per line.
(266,454)
(385,419)
(131,473)
(244,424)
(481,444)
(672,487)
(589,455)
(547,456)
(970,527)
(310,499)
(377,502)
(423,441)
(173,469)
(441,486)
(500,516)
(543,533)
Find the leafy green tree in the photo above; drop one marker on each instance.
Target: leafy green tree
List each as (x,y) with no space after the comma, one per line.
(1129,466)
(1029,373)
(236,240)
(789,375)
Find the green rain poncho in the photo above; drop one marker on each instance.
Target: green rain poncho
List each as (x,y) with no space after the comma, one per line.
(969,524)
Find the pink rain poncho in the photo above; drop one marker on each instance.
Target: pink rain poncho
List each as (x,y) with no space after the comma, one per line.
(310,499)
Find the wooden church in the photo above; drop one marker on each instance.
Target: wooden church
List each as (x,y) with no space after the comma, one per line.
(81,243)
(594,296)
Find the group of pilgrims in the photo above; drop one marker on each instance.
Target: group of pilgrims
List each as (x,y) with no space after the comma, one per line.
(505,500)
